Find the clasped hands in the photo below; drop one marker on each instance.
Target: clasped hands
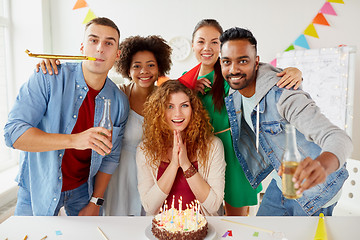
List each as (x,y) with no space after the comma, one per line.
(179,156)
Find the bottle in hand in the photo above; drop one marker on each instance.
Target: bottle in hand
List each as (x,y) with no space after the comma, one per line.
(105,121)
(290,161)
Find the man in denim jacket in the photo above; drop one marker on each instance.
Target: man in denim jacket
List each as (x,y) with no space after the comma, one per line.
(66,160)
(258,111)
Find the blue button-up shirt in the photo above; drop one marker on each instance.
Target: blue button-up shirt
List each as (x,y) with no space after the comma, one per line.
(51,103)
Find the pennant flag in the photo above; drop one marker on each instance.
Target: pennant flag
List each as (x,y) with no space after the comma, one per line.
(336,1)
(311,31)
(273,62)
(327,9)
(189,79)
(291,47)
(89,16)
(320,19)
(301,41)
(80,4)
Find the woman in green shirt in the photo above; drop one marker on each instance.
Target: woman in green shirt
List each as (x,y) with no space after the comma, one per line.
(239,194)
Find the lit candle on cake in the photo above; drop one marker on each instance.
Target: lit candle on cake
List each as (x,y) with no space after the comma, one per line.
(180,204)
(185,228)
(172,209)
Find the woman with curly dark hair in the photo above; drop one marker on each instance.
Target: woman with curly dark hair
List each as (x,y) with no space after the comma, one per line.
(142,60)
(179,155)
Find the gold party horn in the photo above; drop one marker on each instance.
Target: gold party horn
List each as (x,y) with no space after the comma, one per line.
(50,56)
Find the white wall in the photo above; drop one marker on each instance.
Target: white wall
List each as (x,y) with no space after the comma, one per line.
(275,24)
(29,31)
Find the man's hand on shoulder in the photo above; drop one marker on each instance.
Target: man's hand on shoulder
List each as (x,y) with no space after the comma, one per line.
(48,65)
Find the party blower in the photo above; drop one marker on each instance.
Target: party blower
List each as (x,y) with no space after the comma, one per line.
(50,56)
(321,229)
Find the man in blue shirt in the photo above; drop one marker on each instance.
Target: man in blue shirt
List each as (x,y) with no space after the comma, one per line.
(258,111)
(50,122)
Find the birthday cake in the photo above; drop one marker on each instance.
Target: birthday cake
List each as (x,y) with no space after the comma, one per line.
(174,224)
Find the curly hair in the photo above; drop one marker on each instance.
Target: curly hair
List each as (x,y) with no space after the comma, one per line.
(158,137)
(155,44)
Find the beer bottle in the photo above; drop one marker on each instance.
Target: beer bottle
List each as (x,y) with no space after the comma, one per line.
(105,121)
(290,161)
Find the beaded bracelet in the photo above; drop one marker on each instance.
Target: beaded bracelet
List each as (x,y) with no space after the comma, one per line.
(191,171)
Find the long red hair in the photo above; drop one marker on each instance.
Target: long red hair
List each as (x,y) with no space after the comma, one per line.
(158,137)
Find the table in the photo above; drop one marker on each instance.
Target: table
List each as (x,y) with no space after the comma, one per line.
(295,228)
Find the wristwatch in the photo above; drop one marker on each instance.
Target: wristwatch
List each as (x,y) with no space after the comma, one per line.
(97,201)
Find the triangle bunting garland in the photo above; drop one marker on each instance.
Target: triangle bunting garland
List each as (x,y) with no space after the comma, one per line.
(80,4)
(302,42)
(327,9)
(274,62)
(291,47)
(336,1)
(320,19)
(89,16)
(311,31)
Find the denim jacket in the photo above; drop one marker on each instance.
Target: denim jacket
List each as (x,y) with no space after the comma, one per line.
(51,103)
(278,107)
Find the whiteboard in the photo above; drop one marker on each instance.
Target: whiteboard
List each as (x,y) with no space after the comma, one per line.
(329,76)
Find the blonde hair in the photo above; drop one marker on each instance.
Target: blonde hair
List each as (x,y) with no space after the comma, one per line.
(158,137)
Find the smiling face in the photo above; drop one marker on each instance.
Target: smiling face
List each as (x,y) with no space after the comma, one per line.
(144,69)
(206,45)
(178,111)
(239,64)
(100,42)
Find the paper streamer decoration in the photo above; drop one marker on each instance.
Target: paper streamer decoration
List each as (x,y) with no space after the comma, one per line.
(89,16)
(320,19)
(80,4)
(321,229)
(327,9)
(189,79)
(301,41)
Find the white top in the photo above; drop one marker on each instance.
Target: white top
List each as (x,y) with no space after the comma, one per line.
(122,197)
